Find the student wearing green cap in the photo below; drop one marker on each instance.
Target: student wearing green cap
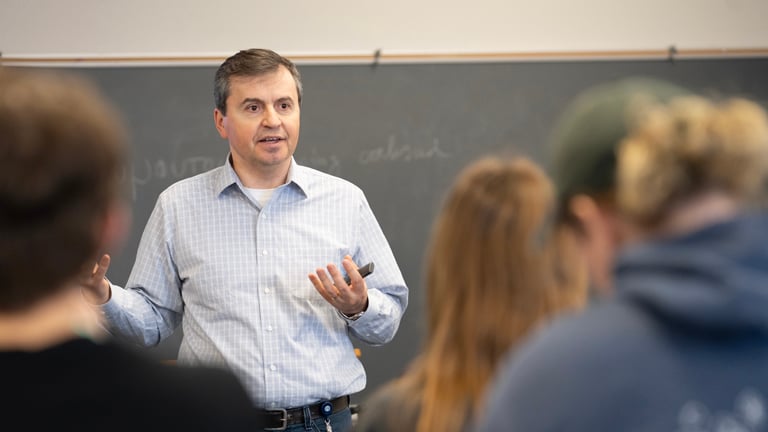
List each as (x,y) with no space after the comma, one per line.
(662,187)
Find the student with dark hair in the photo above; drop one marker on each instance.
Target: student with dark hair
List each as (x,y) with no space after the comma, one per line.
(62,151)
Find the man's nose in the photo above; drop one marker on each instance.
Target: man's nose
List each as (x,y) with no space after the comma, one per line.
(271,118)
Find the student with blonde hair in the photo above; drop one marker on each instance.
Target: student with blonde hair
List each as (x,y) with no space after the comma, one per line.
(491,278)
(680,341)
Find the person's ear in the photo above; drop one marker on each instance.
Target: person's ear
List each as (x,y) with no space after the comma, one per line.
(220,120)
(599,238)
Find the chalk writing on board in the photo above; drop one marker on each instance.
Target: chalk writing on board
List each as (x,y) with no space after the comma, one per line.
(395,151)
(143,172)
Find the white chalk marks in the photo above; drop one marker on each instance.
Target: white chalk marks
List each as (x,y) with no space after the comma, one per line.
(147,171)
(164,171)
(395,151)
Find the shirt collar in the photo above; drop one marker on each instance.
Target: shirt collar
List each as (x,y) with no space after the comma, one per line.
(297,177)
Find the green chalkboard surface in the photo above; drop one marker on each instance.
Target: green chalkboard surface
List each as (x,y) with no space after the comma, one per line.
(399,131)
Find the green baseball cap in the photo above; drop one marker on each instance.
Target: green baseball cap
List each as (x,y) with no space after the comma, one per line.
(587,134)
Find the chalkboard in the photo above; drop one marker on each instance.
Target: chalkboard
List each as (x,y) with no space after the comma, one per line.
(399,131)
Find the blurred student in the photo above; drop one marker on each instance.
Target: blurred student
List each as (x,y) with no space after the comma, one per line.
(491,278)
(682,342)
(62,150)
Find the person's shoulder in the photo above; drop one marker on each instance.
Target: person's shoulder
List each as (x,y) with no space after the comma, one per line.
(316,180)
(188,382)
(541,382)
(122,389)
(208,398)
(564,352)
(110,378)
(188,191)
(204,179)
(581,335)
(570,349)
(316,175)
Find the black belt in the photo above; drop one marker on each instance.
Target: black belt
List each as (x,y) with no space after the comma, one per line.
(282,418)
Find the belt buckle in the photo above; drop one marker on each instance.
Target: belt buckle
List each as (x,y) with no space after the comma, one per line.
(284,419)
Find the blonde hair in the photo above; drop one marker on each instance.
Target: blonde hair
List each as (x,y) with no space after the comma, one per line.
(491,278)
(689,146)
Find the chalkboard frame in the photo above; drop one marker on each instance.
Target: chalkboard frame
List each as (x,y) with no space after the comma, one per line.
(399,131)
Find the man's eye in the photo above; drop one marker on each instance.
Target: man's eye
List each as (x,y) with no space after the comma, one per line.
(252,108)
(284,106)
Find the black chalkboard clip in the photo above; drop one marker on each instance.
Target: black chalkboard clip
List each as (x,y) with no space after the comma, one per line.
(671,53)
(376,57)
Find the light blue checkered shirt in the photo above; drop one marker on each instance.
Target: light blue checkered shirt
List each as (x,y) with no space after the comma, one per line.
(235,276)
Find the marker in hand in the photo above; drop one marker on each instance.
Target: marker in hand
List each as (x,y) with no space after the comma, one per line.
(364,271)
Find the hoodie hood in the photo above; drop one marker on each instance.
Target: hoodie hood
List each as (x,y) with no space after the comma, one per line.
(714,279)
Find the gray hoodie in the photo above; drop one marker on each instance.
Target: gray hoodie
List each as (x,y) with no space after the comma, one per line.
(682,346)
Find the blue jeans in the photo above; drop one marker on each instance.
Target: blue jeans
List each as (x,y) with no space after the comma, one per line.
(340,422)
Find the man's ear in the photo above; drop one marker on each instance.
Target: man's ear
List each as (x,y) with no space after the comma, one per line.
(219,119)
(600,239)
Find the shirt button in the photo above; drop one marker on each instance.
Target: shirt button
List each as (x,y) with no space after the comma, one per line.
(269,328)
(266,290)
(264,252)
(272,367)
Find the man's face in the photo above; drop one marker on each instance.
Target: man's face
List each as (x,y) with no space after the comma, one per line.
(262,123)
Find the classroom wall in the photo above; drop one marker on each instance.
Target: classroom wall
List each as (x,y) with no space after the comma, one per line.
(383,130)
(44,28)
